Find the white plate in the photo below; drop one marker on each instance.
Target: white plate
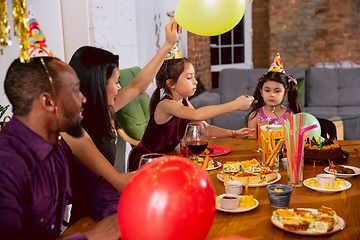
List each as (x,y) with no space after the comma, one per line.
(341,175)
(255,184)
(321,189)
(340,225)
(218,166)
(237,210)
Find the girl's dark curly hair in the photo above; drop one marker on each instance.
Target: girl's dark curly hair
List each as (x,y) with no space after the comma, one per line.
(279,77)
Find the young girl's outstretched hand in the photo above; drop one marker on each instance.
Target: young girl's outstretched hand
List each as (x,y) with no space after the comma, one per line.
(244,132)
(244,102)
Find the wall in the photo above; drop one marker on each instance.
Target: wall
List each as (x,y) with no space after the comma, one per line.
(199,55)
(309,31)
(49,18)
(112,26)
(261,33)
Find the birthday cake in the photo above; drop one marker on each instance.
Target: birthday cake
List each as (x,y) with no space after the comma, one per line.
(327,151)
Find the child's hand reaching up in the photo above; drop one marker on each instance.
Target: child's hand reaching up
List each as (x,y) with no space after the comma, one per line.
(243,133)
(244,102)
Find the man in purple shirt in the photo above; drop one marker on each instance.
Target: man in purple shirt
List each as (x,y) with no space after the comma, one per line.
(39,175)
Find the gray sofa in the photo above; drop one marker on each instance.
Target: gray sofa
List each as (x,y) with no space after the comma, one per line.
(326,93)
(335,92)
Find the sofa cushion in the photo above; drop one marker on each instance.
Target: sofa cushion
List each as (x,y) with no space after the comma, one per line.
(236,82)
(349,111)
(210,97)
(349,88)
(321,87)
(135,115)
(322,112)
(233,120)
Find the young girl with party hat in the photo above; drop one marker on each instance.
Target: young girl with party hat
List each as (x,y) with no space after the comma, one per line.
(171,111)
(273,87)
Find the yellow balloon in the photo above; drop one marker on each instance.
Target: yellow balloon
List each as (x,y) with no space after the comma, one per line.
(209,17)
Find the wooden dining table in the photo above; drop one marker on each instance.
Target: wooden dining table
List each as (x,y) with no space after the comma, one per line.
(256,224)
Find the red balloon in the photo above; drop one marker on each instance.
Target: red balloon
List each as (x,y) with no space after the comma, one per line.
(169,198)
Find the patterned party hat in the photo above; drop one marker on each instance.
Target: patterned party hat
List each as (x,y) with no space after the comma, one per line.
(37,41)
(277,66)
(174,53)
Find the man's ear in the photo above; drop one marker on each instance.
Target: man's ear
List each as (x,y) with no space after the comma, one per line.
(47,102)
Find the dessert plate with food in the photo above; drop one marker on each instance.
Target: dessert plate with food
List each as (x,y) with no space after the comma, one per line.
(238,209)
(308,221)
(215,150)
(251,170)
(344,171)
(211,165)
(327,184)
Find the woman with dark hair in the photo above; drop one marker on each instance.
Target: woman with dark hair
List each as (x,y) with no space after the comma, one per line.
(98,71)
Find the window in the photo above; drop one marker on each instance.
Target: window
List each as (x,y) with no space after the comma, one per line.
(232,49)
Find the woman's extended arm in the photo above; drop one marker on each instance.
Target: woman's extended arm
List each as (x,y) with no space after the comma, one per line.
(87,152)
(143,79)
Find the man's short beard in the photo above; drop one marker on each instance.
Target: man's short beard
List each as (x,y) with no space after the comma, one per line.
(76,131)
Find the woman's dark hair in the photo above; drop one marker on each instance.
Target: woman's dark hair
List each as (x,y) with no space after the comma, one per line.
(94,67)
(170,69)
(279,77)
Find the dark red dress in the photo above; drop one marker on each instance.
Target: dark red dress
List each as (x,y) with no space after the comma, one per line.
(157,138)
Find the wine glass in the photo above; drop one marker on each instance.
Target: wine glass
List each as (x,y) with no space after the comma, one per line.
(149,157)
(196,138)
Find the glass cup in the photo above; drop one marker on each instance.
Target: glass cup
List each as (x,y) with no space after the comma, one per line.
(196,138)
(260,123)
(270,159)
(295,169)
(149,157)
(184,151)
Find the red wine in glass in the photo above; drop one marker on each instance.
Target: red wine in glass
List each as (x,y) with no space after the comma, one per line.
(197,147)
(196,138)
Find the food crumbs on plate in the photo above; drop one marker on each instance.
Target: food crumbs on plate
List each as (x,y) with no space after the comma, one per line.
(247,201)
(312,181)
(338,184)
(278,190)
